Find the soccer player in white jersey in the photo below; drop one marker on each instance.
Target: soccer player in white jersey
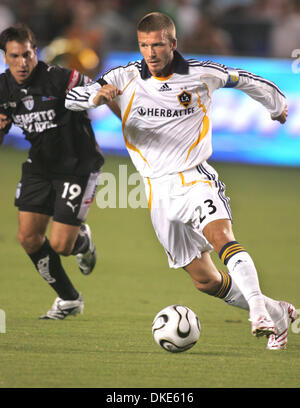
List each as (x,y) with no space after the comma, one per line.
(165,101)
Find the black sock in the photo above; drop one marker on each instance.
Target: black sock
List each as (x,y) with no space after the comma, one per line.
(48,264)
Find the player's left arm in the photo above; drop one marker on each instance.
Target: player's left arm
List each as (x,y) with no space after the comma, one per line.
(262,90)
(282,117)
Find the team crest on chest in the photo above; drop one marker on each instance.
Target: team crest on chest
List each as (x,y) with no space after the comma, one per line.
(28,102)
(185,98)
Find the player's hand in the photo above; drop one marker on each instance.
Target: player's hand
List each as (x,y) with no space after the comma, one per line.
(283,116)
(4,121)
(106,94)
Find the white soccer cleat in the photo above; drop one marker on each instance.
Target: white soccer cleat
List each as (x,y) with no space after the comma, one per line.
(279,341)
(263,326)
(63,308)
(87,261)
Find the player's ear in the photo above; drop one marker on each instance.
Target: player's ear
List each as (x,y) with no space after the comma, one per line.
(174,44)
(3,55)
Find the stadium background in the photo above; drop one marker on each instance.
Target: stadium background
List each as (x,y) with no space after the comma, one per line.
(259,36)
(111,344)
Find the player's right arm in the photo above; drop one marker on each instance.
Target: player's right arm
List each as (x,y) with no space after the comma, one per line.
(106,94)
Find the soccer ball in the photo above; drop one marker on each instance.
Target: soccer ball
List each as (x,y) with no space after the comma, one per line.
(176,328)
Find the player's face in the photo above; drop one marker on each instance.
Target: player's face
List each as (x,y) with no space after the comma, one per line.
(21,59)
(158,51)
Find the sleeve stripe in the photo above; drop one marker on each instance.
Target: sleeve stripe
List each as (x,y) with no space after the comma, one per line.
(136,63)
(73,91)
(76,96)
(207,64)
(260,79)
(101,81)
(76,99)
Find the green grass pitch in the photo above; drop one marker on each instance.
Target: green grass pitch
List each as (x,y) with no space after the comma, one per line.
(111,344)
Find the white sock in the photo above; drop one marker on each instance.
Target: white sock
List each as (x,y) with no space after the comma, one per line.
(235,298)
(243,272)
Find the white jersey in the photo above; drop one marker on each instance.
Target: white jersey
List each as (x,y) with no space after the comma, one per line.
(166,122)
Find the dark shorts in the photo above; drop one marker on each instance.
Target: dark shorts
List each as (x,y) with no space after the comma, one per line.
(67,199)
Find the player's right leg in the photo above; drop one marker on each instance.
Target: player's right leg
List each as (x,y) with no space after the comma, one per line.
(32,230)
(209,280)
(34,198)
(31,235)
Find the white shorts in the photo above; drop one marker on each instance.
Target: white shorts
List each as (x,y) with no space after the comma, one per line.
(181,205)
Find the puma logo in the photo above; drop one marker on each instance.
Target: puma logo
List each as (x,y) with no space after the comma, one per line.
(73,207)
(43,268)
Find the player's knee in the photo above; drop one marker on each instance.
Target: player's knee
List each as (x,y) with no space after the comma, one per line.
(61,247)
(30,242)
(218,237)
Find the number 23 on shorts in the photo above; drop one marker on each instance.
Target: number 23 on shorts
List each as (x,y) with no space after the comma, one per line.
(208,209)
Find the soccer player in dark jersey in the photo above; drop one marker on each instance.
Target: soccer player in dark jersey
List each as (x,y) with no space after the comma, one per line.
(59,177)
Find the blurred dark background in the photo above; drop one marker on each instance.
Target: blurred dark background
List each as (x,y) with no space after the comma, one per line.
(257,35)
(80,32)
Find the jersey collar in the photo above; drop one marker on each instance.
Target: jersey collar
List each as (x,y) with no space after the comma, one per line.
(180,66)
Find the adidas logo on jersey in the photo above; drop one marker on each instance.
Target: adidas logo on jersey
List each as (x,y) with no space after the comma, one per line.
(164,87)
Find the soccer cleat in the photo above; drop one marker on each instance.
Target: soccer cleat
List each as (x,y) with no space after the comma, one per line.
(87,261)
(263,326)
(279,341)
(64,308)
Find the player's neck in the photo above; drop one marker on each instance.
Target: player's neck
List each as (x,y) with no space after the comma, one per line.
(165,72)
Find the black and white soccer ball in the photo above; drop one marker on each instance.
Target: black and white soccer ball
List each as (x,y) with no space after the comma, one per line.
(176,328)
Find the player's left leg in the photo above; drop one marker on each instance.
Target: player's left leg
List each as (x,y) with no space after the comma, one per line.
(63,237)
(74,240)
(206,276)
(242,269)
(70,235)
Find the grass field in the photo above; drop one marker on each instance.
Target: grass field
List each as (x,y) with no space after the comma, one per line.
(111,345)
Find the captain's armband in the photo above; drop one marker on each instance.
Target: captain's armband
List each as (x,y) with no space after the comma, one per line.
(233,78)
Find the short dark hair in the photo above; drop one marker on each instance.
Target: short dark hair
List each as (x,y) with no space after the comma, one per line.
(156,22)
(19,33)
